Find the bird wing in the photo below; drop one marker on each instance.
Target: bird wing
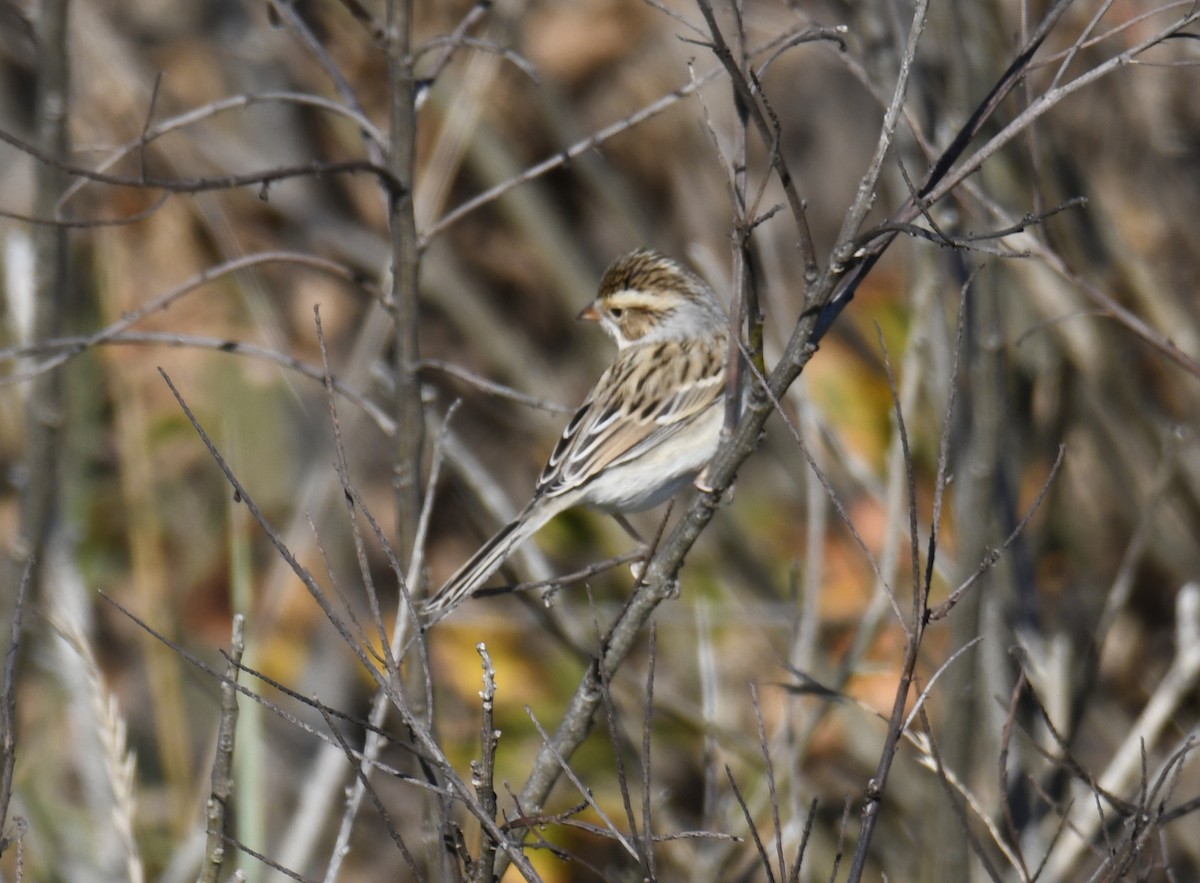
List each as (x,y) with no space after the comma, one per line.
(647,395)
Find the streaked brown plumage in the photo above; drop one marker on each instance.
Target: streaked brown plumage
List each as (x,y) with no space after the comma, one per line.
(649,425)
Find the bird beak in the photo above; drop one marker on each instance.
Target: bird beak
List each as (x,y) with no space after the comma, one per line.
(589,312)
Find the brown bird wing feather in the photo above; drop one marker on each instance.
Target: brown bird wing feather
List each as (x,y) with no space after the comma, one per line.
(671,386)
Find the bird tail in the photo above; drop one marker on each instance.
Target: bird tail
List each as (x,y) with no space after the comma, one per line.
(485,562)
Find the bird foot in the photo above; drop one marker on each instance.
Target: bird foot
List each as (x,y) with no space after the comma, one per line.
(702,485)
(637,568)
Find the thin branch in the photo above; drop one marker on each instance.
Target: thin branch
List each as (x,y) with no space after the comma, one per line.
(286,9)
(566,579)
(848,276)
(407,409)
(583,790)
(457,40)
(752,101)
(1048,100)
(153,132)
(484,774)
(758,844)
(641,843)
(1178,682)
(165,300)
(222,769)
(647,717)
(968,240)
(280,547)
(265,859)
(769,768)
(802,848)
(262,179)
(388,685)
(914,633)
(953,789)
(989,560)
(77,345)
(1002,775)
(342,468)
(432,366)
(87,223)
(362,771)
(8,702)
(580,147)
(274,708)
(864,198)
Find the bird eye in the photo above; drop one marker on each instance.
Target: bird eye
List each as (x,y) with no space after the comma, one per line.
(616,312)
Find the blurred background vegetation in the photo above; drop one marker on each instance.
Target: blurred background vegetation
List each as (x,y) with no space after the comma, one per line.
(1082,624)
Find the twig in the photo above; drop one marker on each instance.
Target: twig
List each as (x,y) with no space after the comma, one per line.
(641,842)
(583,790)
(865,258)
(407,409)
(8,702)
(1002,777)
(166,299)
(343,471)
(751,100)
(429,366)
(566,579)
(1179,681)
(989,560)
(969,240)
(262,179)
(87,223)
(363,783)
(769,768)
(51,286)
(952,789)
(222,770)
(454,39)
(1073,51)
(286,9)
(483,774)
(152,133)
(647,718)
(794,877)
(389,693)
(914,632)
(864,198)
(583,146)
(265,859)
(76,345)
(281,548)
(1049,99)
(758,844)
(274,708)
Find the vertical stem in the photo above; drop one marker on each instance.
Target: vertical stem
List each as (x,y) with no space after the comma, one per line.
(984,501)
(220,799)
(406,460)
(44,405)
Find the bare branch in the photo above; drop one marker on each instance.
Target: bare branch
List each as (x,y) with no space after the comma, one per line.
(580,147)
(222,769)
(483,775)
(8,701)
(262,179)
